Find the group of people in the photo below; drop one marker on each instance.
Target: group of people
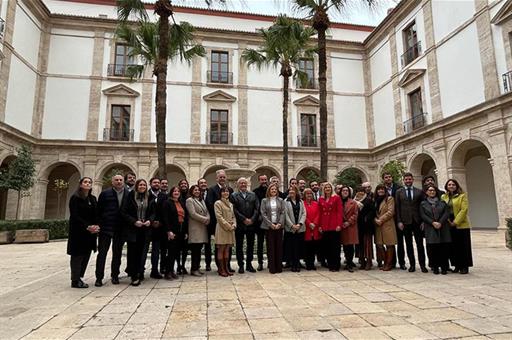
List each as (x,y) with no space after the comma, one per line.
(306,223)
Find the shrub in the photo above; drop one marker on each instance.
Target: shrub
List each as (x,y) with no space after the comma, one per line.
(58,229)
(508,236)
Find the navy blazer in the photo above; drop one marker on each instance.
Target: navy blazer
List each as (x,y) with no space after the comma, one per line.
(109,211)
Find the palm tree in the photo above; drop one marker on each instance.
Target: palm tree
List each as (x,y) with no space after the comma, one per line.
(285,43)
(155,44)
(318,14)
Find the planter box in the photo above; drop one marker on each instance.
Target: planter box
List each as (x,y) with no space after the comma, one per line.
(32,236)
(6,237)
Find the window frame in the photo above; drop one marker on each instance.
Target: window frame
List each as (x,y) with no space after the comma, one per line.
(219,126)
(124,131)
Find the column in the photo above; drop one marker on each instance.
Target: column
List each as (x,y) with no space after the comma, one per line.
(95,89)
(370,125)
(196,85)
(242,98)
(397,100)
(40,92)
(7,51)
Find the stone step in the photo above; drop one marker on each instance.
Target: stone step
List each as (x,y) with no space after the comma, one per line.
(31,236)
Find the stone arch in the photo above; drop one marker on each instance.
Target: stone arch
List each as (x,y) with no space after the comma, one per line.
(363,176)
(304,171)
(209,173)
(268,170)
(44,173)
(8,198)
(102,179)
(56,201)
(422,165)
(471,165)
(175,173)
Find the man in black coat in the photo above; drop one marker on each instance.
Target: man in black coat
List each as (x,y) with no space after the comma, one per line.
(246,207)
(111,225)
(408,220)
(155,236)
(261,193)
(159,230)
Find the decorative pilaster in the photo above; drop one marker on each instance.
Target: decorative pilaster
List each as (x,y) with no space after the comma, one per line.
(95,89)
(370,125)
(40,92)
(242,98)
(6,62)
(397,100)
(195,120)
(146,106)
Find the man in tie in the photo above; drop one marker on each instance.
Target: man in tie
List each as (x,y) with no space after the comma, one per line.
(407,203)
(313,185)
(260,193)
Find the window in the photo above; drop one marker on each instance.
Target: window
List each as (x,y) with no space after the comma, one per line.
(219,133)
(417,119)
(122,60)
(307,66)
(120,123)
(219,71)
(412,46)
(308,130)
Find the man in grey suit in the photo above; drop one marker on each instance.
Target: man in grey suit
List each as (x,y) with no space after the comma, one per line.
(407,203)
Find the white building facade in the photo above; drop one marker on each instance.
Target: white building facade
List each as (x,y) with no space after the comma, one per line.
(429,86)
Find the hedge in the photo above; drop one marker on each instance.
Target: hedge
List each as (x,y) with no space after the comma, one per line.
(58,229)
(508,237)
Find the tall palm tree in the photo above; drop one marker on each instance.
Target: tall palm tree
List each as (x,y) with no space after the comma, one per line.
(155,44)
(285,43)
(318,13)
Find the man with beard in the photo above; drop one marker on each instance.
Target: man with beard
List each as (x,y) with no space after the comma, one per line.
(163,196)
(129,180)
(260,192)
(156,238)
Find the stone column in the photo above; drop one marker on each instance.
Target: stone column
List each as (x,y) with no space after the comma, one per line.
(441,170)
(146,106)
(5,67)
(370,125)
(40,92)
(195,123)
(242,98)
(95,89)
(38,199)
(397,100)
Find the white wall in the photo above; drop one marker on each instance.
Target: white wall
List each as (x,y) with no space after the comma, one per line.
(383,115)
(380,63)
(348,35)
(70,55)
(179,71)
(264,118)
(481,194)
(450,14)
(66,109)
(26,35)
(350,122)
(178,114)
(347,73)
(461,81)
(266,77)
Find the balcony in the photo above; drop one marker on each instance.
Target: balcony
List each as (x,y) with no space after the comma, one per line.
(416,122)
(125,135)
(2,28)
(311,84)
(219,77)
(412,53)
(118,70)
(216,137)
(507,81)
(309,141)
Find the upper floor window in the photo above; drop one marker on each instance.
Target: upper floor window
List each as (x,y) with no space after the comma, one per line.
(120,123)
(219,68)
(412,47)
(417,119)
(308,130)
(122,60)
(219,127)
(307,66)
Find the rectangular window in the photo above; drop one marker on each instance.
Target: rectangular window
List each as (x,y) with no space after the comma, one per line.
(308,130)
(219,133)
(417,119)
(307,66)
(122,60)
(412,46)
(120,123)
(219,71)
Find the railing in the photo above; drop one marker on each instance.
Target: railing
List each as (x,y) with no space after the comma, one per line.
(307,141)
(412,53)
(416,122)
(2,28)
(118,70)
(220,77)
(507,81)
(311,84)
(118,135)
(216,137)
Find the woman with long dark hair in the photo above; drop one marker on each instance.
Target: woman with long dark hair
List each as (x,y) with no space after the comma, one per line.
(225,230)
(349,233)
(273,219)
(295,219)
(198,221)
(461,256)
(139,213)
(385,231)
(331,220)
(365,226)
(83,230)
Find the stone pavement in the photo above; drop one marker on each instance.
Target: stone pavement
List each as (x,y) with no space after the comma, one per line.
(36,302)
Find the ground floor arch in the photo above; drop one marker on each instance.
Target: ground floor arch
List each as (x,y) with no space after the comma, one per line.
(351,176)
(106,174)
(210,174)
(174,174)
(308,174)
(8,198)
(63,181)
(421,166)
(263,170)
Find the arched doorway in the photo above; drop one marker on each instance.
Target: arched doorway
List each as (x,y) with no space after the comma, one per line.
(471,167)
(8,198)
(309,174)
(421,166)
(353,177)
(111,170)
(263,170)
(210,174)
(63,181)
(174,174)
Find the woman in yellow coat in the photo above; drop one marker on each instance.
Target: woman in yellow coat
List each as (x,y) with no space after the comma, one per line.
(225,230)
(461,256)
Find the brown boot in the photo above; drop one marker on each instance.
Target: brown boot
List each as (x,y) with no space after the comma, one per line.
(388,262)
(380,256)
(226,267)
(222,268)
(368,264)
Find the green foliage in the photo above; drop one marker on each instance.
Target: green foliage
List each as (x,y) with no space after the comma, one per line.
(350,177)
(20,173)
(58,229)
(509,233)
(396,169)
(107,179)
(312,176)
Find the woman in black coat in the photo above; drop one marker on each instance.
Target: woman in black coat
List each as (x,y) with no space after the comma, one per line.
(83,230)
(365,226)
(138,211)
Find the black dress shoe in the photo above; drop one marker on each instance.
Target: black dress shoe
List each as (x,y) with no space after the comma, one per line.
(435,271)
(412,270)
(403,267)
(115,280)
(184,271)
(135,283)
(241,270)
(79,284)
(301,265)
(464,271)
(98,283)
(155,275)
(444,272)
(287,265)
(424,270)
(455,270)
(250,269)
(208,268)
(260,267)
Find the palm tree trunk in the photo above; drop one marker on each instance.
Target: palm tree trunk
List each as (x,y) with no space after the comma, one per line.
(322,81)
(286,84)
(162,8)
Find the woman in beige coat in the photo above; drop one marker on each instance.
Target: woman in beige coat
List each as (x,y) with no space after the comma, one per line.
(225,230)
(198,220)
(385,232)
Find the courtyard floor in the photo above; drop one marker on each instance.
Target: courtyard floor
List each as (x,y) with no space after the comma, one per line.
(36,302)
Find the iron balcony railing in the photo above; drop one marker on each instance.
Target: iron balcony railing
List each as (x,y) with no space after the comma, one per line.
(2,28)
(412,53)
(307,141)
(220,77)
(417,121)
(311,84)
(507,81)
(125,135)
(118,70)
(216,137)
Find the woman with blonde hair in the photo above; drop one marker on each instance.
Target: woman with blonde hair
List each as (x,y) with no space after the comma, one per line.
(273,219)
(224,231)
(331,221)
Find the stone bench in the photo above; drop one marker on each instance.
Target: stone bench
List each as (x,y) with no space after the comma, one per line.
(31,236)
(6,237)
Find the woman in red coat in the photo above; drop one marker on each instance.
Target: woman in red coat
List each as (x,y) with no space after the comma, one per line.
(349,234)
(312,236)
(331,220)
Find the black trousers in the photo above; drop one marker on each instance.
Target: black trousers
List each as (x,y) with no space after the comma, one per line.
(331,243)
(172,255)
(438,254)
(134,255)
(104,241)
(460,251)
(240,234)
(78,265)
(183,252)
(208,250)
(410,231)
(310,250)
(295,242)
(348,251)
(155,253)
(400,250)
(275,250)
(260,239)
(195,249)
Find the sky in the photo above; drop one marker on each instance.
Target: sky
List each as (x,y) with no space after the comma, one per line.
(356,11)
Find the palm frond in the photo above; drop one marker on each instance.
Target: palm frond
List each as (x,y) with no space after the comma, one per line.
(128,8)
(254,57)
(135,71)
(181,42)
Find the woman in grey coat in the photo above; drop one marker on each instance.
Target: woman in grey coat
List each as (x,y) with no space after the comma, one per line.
(295,215)
(434,213)
(198,219)
(273,220)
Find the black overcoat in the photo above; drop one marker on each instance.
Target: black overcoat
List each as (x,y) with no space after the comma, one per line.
(82,213)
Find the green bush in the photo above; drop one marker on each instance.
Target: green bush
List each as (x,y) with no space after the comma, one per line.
(58,229)
(508,237)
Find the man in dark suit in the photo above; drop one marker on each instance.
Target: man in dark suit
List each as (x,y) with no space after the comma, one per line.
(159,230)
(213,196)
(246,207)
(407,203)
(260,192)
(111,223)
(391,188)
